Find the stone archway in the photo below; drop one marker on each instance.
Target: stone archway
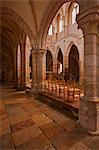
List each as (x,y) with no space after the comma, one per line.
(60,62)
(49,64)
(45,23)
(49,61)
(16,29)
(74,63)
(9,13)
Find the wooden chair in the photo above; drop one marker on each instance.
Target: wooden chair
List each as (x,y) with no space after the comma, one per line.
(72,91)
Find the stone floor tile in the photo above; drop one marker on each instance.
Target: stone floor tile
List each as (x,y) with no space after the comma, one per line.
(78,133)
(31,110)
(41,119)
(38,143)
(36,102)
(14,109)
(86,140)
(49,112)
(18,118)
(4,124)
(63,140)
(22,100)
(3,116)
(1,103)
(51,129)
(2,108)
(5,131)
(25,146)
(93,143)
(22,125)
(25,135)
(80,146)
(54,115)
(10,100)
(68,125)
(6,142)
(42,143)
(28,105)
(43,107)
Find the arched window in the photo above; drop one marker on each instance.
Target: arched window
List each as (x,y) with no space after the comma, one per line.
(50,31)
(60,62)
(75,11)
(59,23)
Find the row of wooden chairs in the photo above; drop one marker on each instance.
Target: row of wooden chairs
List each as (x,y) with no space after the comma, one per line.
(61,89)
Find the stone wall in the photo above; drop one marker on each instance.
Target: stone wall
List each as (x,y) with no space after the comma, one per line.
(64,40)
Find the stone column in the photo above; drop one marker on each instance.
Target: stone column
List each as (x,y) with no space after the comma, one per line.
(38,70)
(97,69)
(65,63)
(27,60)
(21,85)
(41,70)
(23,67)
(55,66)
(89,104)
(15,69)
(81,71)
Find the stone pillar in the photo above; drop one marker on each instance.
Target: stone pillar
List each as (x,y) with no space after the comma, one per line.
(15,69)
(38,71)
(80,71)
(23,67)
(65,63)
(27,60)
(55,66)
(97,69)
(89,104)
(21,85)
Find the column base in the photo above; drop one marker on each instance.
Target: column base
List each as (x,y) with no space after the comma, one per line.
(36,88)
(32,92)
(20,87)
(92,133)
(96,133)
(89,115)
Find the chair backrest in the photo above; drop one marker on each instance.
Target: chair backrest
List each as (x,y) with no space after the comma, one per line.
(71,84)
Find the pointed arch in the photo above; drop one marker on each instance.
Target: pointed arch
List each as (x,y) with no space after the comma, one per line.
(45,23)
(9,13)
(49,61)
(59,62)
(73,10)
(74,63)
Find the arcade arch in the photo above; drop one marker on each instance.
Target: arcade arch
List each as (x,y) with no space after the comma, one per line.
(16,30)
(60,62)
(74,63)
(49,61)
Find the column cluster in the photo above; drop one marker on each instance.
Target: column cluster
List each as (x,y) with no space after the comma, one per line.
(89,112)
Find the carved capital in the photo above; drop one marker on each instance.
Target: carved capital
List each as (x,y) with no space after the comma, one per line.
(39,52)
(89,19)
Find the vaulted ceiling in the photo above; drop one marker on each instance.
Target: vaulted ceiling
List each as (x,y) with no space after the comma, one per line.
(23,16)
(30,17)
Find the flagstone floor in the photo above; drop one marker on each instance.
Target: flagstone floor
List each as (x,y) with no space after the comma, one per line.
(28,124)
